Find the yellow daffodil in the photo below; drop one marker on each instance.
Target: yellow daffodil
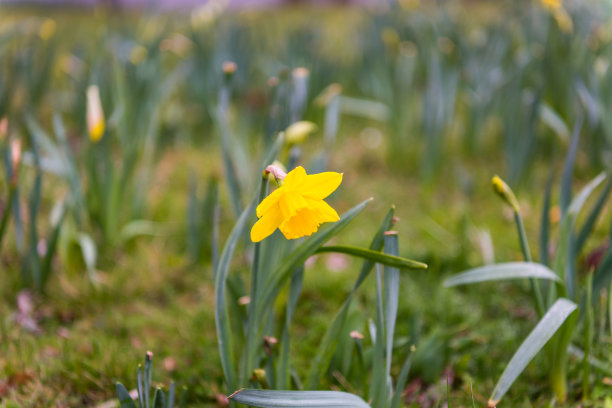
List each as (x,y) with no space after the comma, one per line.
(297,207)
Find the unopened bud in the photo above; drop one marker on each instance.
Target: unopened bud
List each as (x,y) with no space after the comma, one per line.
(229,68)
(356,335)
(269,344)
(328,94)
(259,375)
(15,159)
(390,38)
(272,82)
(301,72)
(95,114)
(505,192)
(47,29)
(275,173)
(3,128)
(222,400)
(298,132)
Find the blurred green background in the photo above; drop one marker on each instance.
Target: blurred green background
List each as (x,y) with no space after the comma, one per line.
(105,246)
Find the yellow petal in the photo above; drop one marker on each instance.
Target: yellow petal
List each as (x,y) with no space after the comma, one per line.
(269,202)
(294,178)
(290,203)
(320,185)
(266,225)
(302,224)
(323,211)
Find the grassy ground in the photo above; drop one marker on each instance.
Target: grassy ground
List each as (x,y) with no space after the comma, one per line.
(149,298)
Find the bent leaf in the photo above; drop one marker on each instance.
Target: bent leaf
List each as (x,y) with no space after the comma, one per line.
(375,256)
(502,271)
(537,339)
(320,399)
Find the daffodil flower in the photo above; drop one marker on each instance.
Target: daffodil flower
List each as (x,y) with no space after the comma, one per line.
(297,207)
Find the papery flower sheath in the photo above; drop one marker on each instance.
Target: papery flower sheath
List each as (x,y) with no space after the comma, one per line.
(95,114)
(297,207)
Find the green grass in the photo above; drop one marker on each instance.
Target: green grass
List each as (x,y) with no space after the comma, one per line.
(149,298)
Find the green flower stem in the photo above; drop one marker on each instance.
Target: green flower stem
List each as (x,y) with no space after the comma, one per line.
(7,211)
(558,377)
(558,358)
(251,342)
(588,338)
(535,286)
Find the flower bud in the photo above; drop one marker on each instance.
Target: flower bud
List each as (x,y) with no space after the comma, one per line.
(505,192)
(15,159)
(229,68)
(328,94)
(259,375)
(299,131)
(3,128)
(95,114)
(269,344)
(47,29)
(356,335)
(138,54)
(275,173)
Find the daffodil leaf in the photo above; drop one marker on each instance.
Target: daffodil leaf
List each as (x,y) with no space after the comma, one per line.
(224,338)
(502,271)
(125,400)
(375,256)
(587,228)
(318,399)
(550,323)
(568,166)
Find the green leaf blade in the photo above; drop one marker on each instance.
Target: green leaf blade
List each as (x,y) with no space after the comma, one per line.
(319,399)
(389,260)
(502,271)
(125,400)
(537,339)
